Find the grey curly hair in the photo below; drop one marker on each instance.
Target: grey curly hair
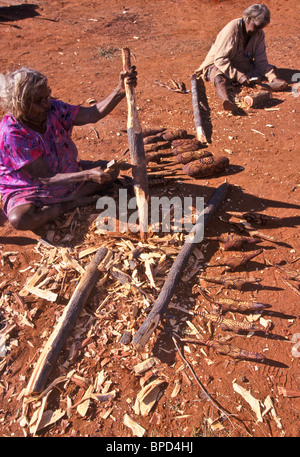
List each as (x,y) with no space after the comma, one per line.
(259,13)
(17,89)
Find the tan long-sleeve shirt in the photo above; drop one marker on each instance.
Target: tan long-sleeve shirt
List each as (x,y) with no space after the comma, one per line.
(233,59)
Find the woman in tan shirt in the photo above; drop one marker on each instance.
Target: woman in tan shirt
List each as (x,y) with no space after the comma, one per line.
(239,53)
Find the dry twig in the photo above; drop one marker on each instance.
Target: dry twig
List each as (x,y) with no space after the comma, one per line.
(204,391)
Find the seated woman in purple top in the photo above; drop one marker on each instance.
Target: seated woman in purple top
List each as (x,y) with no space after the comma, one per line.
(40,175)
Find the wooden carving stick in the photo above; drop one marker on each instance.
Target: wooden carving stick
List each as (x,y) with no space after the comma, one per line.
(65,325)
(137,153)
(160,305)
(200,134)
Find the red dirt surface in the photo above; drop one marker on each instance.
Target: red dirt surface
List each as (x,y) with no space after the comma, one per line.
(77,45)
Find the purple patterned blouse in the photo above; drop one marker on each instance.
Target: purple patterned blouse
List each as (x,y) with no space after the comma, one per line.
(19,146)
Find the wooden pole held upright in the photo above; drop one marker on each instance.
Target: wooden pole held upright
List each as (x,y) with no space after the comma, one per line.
(137,152)
(200,133)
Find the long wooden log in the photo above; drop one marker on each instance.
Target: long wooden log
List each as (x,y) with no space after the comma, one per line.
(160,305)
(137,152)
(200,133)
(65,325)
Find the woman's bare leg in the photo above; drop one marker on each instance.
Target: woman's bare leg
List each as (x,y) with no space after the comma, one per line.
(30,217)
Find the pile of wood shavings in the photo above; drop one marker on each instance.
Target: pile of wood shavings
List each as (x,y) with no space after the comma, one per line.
(134,273)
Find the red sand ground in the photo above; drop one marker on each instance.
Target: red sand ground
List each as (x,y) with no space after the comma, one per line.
(77,45)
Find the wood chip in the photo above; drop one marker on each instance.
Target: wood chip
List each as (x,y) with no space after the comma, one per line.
(290,393)
(69,407)
(88,251)
(41,293)
(145,365)
(137,429)
(101,376)
(104,397)
(149,274)
(85,403)
(70,262)
(194,330)
(148,396)
(155,419)
(107,413)
(50,417)
(270,407)
(70,218)
(216,425)
(38,276)
(177,387)
(248,397)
